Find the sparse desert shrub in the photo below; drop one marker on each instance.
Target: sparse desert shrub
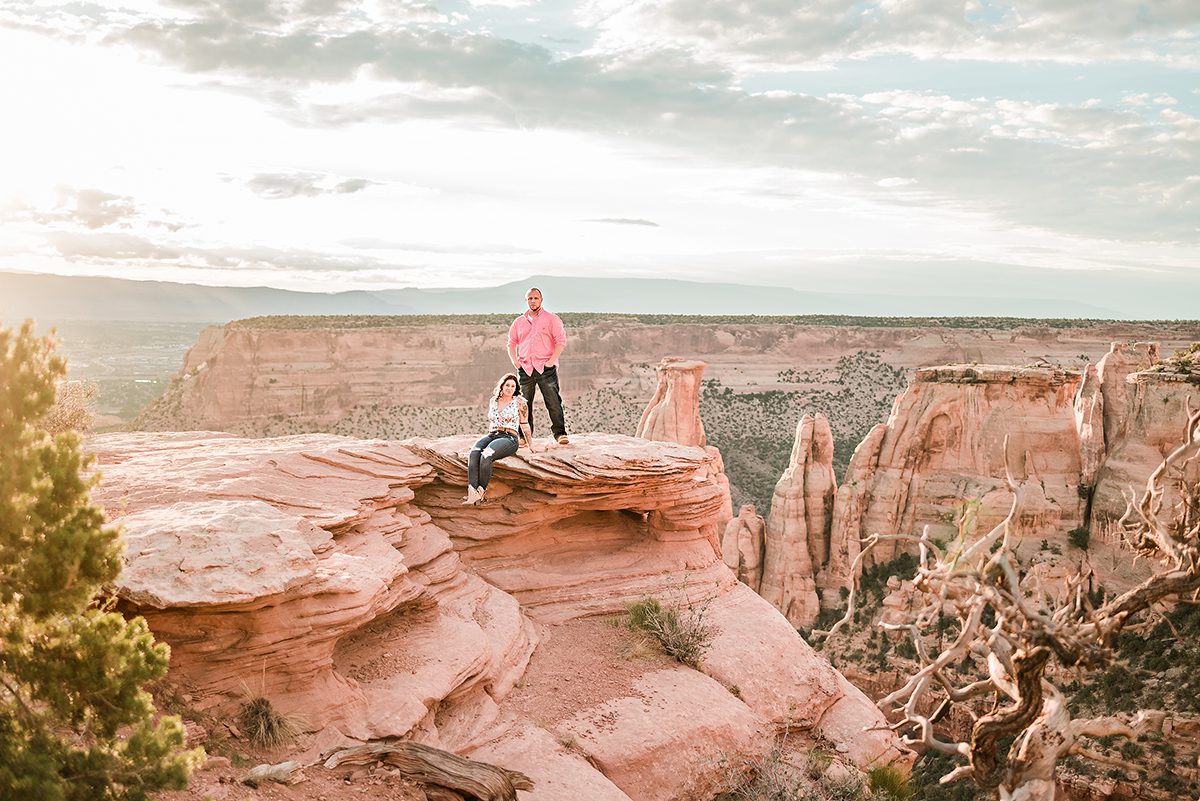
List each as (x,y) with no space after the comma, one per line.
(1079,538)
(817,761)
(769,779)
(72,409)
(842,788)
(890,782)
(263,725)
(683,632)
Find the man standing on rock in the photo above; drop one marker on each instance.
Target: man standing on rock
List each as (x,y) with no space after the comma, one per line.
(535,340)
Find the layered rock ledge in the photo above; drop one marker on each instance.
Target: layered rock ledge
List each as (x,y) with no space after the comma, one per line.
(344,580)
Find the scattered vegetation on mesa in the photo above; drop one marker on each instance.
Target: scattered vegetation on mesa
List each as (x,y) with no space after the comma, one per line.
(682,631)
(355,321)
(75,721)
(755,430)
(1184,362)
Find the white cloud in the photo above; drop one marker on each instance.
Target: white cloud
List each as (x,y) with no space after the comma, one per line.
(484,153)
(769,34)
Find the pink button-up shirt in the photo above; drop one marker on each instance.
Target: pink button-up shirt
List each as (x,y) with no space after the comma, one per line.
(536,337)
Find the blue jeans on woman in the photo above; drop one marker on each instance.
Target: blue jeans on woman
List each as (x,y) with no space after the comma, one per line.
(495,445)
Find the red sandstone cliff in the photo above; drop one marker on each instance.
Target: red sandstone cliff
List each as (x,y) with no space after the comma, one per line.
(252,379)
(343,579)
(944,444)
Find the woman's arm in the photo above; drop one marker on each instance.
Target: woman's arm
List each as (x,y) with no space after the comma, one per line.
(526,431)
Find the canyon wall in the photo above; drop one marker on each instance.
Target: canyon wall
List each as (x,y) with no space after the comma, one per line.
(249,377)
(344,580)
(429,377)
(1078,445)
(942,455)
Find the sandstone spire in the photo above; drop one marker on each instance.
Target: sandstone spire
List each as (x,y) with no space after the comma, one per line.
(674,412)
(673,415)
(1089,422)
(798,527)
(742,546)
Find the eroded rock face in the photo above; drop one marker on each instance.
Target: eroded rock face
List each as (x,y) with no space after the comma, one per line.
(944,442)
(742,546)
(1151,426)
(1089,422)
(798,540)
(673,414)
(1121,361)
(344,580)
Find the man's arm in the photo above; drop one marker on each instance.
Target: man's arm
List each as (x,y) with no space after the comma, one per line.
(559,334)
(512,344)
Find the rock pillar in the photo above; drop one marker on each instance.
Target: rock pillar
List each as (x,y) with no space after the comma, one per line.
(742,546)
(797,546)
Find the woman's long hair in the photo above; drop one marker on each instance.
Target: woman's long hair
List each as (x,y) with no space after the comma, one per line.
(500,385)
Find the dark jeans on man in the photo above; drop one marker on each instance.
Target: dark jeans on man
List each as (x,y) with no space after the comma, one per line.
(547,381)
(496,445)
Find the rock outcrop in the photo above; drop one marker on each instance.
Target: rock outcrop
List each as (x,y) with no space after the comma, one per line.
(799,550)
(673,414)
(1114,369)
(943,445)
(1150,424)
(1089,423)
(353,375)
(344,580)
(742,546)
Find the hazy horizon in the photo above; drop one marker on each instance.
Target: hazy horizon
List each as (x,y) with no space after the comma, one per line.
(1008,150)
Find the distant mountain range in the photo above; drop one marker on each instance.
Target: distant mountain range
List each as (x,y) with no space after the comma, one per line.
(53,297)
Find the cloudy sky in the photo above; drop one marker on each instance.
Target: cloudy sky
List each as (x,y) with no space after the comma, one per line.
(1023,148)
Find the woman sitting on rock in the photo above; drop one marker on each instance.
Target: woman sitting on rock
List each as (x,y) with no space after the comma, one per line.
(508,419)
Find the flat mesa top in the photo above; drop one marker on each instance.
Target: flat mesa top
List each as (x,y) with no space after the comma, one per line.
(1125,329)
(995,374)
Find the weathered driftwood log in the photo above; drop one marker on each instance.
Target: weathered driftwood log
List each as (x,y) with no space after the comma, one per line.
(449,776)
(283,773)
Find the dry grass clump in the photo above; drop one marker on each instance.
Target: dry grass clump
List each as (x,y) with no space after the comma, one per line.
(682,632)
(263,725)
(889,782)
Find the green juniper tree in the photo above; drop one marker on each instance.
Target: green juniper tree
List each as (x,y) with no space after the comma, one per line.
(75,723)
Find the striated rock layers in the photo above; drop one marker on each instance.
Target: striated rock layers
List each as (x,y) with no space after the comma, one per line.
(673,414)
(287,375)
(1079,444)
(742,546)
(344,580)
(1146,418)
(802,556)
(944,442)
